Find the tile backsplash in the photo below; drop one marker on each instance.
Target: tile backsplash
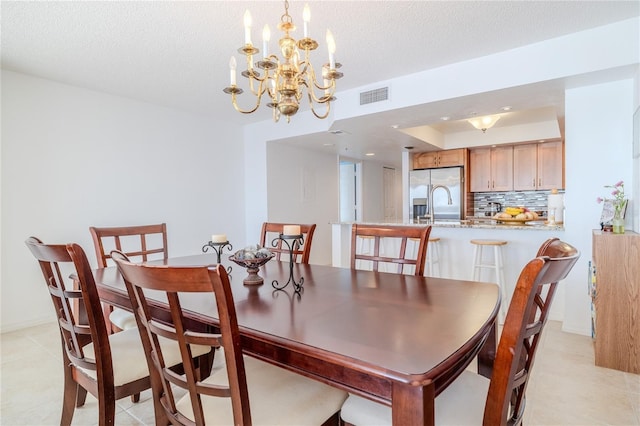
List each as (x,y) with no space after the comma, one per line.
(533,200)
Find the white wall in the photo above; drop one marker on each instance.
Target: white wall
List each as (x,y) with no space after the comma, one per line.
(598,152)
(72,158)
(302,187)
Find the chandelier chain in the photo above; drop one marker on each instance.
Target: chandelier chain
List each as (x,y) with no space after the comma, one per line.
(286,18)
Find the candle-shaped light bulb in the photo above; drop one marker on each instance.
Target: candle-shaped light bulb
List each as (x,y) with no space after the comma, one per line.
(247,27)
(306,17)
(266,36)
(232,70)
(331,45)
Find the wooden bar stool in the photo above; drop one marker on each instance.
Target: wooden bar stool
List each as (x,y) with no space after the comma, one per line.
(496,265)
(433,256)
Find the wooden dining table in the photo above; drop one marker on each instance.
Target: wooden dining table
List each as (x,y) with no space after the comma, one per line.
(396,339)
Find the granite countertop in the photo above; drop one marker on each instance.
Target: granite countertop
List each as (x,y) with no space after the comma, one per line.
(488,223)
(477,223)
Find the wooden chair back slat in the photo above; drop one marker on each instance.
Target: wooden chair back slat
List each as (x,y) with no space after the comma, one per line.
(143,243)
(152,240)
(418,234)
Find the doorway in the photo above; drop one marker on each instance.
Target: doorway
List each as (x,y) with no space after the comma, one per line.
(350,191)
(389,187)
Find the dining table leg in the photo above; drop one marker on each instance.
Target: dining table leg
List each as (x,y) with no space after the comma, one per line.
(413,404)
(487,354)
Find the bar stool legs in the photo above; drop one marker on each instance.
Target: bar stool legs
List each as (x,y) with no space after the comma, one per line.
(497,265)
(433,257)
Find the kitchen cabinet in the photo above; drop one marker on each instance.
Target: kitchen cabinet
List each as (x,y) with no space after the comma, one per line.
(538,166)
(491,169)
(436,159)
(617,291)
(550,165)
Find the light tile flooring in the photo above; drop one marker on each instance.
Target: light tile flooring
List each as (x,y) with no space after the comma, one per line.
(566,388)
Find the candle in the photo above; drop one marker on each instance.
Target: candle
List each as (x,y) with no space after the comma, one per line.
(232,71)
(247,27)
(291,230)
(218,238)
(331,45)
(266,36)
(306,17)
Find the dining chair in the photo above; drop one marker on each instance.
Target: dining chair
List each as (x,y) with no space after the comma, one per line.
(109,367)
(142,242)
(390,246)
(247,388)
(472,399)
(271,230)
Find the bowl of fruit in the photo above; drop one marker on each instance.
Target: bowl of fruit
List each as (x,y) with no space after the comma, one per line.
(516,215)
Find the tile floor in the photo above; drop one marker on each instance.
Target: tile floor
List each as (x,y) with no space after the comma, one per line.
(566,388)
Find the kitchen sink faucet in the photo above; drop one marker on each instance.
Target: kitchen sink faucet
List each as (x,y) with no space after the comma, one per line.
(431,215)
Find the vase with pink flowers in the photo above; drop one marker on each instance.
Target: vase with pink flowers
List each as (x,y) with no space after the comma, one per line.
(619,204)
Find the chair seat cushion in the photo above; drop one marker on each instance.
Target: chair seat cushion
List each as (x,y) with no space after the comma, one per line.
(276,397)
(127,353)
(122,319)
(462,403)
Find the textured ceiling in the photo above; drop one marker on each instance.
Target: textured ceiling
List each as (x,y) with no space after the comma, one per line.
(176,53)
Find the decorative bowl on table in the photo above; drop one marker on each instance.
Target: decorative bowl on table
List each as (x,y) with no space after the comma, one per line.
(252,258)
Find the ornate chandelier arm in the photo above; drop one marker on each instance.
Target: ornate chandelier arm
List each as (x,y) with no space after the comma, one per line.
(234,101)
(326,113)
(311,84)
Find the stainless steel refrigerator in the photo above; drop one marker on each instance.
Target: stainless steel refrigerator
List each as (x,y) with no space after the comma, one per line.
(449,180)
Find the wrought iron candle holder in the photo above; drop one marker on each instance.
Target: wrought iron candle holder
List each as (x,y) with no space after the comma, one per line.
(218,247)
(296,241)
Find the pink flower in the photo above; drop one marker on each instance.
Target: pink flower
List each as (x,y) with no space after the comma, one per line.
(599,200)
(618,201)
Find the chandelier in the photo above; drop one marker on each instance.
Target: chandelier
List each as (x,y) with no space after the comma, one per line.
(285,80)
(484,123)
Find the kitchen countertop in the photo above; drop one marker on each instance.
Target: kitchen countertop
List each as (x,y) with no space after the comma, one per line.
(493,224)
(477,223)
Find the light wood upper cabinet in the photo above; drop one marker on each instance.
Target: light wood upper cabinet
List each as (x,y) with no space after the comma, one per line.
(451,157)
(551,165)
(525,167)
(538,166)
(491,169)
(435,159)
(480,170)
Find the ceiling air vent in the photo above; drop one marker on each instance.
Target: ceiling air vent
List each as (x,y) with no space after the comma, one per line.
(376,95)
